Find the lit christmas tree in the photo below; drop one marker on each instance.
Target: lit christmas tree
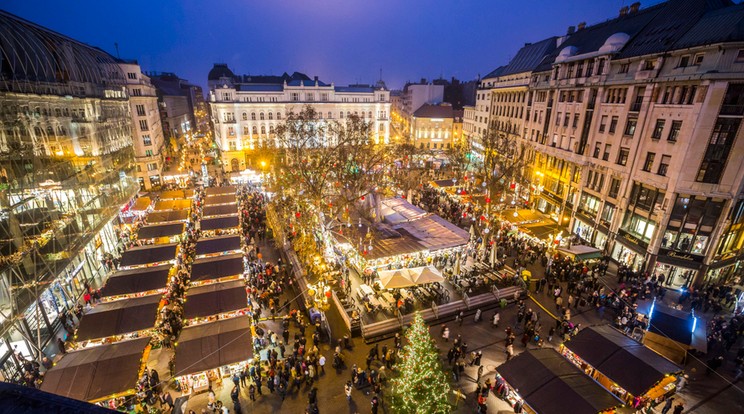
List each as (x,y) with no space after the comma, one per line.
(421,387)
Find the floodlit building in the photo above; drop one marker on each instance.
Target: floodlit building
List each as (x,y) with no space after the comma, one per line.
(66,169)
(436,127)
(631,129)
(246,109)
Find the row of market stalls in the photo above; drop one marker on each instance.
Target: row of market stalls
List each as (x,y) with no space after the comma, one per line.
(113,337)
(597,371)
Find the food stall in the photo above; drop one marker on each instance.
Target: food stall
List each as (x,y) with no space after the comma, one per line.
(620,364)
(220,225)
(218,245)
(176,194)
(580,252)
(219,210)
(208,352)
(167,216)
(148,256)
(219,300)
(220,199)
(136,282)
(99,374)
(216,191)
(110,321)
(161,233)
(544,382)
(216,268)
(172,205)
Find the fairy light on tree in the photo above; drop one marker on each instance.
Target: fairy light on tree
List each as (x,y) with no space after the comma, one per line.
(422,387)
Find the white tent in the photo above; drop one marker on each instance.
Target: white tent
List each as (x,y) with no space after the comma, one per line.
(426,274)
(392,279)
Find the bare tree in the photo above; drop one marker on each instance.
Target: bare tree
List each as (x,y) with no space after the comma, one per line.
(503,160)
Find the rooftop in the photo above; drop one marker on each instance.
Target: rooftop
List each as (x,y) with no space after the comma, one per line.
(435,111)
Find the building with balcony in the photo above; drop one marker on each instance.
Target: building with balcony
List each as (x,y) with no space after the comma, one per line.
(147,129)
(66,169)
(631,132)
(246,109)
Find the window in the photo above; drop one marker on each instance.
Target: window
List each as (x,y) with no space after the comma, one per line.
(558,119)
(600,67)
(603,123)
(137,92)
(674,131)
(143,125)
(254,130)
(261,116)
(624,68)
(295,96)
(614,187)
(152,166)
(245,116)
(141,110)
(717,152)
(664,165)
(649,163)
(622,156)
(253,116)
(630,126)
(613,125)
(324,97)
(698,59)
(684,61)
(148,153)
(589,68)
(232,145)
(131,75)
(231,131)
(606,155)
(649,65)
(146,140)
(566,119)
(575,120)
(739,56)
(310,97)
(279,116)
(658,129)
(597,148)
(271,116)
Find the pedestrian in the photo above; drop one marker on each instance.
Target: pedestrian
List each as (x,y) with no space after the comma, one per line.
(678,409)
(375,403)
(243,375)
(252,392)
(445,334)
(682,382)
(477,315)
(667,405)
(551,332)
(321,364)
(347,389)
(495,320)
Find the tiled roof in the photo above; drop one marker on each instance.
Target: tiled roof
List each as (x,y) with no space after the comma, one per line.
(529,57)
(434,111)
(494,73)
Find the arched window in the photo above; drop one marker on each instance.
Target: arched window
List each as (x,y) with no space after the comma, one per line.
(245,130)
(341,114)
(261,116)
(271,116)
(370,114)
(253,116)
(263,129)
(271,129)
(245,116)
(348,114)
(278,116)
(50,130)
(330,115)
(255,130)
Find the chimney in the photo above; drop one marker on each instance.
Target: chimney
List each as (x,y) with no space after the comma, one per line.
(316,78)
(581,26)
(570,30)
(635,6)
(624,11)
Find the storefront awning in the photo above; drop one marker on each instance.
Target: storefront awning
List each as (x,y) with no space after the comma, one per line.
(215,299)
(94,373)
(220,199)
(136,280)
(219,210)
(213,191)
(119,317)
(581,252)
(217,245)
(217,223)
(626,362)
(172,205)
(217,267)
(143,255)
(550,384)
(167,216)
(160,230)
(212,345)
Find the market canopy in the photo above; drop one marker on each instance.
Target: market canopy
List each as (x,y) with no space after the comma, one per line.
(213,345)
(426,274)
(143,255)
(172,205)
(434,233)
(176,194)
(131,281)
(549,383)
(393,279)
(213,191)
(141,204)
(91,374)
(397,210)
(215,299)
(217,223)
(219,210)
(217,267)
(220,199)
(217,245)
(620,358)
(160,230)
(119,317)
(167,216)
(581,252)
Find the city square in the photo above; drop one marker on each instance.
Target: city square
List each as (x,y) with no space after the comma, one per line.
(551,223)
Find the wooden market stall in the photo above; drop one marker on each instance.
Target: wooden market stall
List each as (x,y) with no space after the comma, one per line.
(215,191)
(220,199)
(167,216)
(218,245)
(218,299)
(219,210)
(172,205)
(161,233)
(148,255)
(109,320)
(134,282)
(215,268)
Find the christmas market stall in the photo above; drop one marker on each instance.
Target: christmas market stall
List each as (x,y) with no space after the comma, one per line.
(209,352)
(542,381)
(148,255)
(220,225)
(673,333)
(136,282)
(176,194)
(117,320)
(161,233)
(580,252)
(218,245)
(216,268)
(98,374)
(625,367)
(167,216)
(141,205)
(215,191)
(173,205)
(220,199)
(215,301)
(219,210)
(397,210)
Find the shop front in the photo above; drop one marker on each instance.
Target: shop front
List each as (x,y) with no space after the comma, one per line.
(583,229)
(628,251)
(727,270)
(600,238)
(679,269)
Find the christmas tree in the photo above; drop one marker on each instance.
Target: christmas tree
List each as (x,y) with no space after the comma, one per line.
(421,386)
